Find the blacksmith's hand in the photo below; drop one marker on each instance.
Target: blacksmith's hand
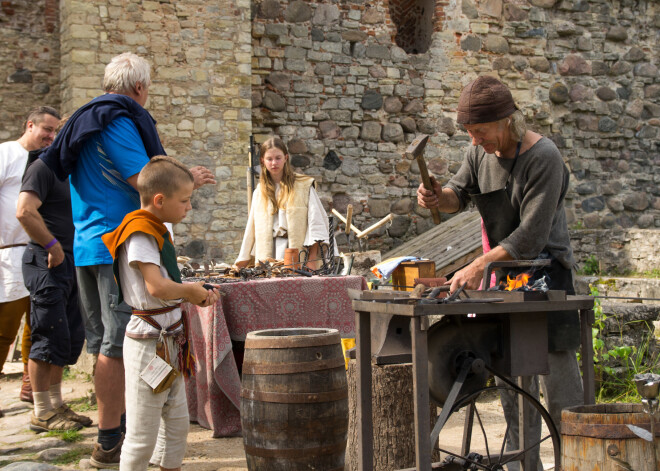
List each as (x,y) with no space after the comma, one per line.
(427,198)
(202,176)
(472,275)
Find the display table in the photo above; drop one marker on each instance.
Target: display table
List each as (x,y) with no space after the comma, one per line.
(214,392)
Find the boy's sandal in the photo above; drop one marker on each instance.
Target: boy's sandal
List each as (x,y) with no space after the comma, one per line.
(52,420)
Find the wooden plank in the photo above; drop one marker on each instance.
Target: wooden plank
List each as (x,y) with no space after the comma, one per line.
(452,244)
(412,310)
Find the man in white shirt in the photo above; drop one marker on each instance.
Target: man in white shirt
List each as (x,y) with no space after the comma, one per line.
(39,131)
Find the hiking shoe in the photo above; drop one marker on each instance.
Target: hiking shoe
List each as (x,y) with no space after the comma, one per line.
(104,459)
(52,420)
(66,411)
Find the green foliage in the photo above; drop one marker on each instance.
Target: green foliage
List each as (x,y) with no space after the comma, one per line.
(591,266)
(578,225)
(83,404)
(69,436)
(617,385)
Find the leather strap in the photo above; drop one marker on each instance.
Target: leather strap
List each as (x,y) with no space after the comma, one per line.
(12,245)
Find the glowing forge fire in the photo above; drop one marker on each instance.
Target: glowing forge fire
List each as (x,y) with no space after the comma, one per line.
(517,282)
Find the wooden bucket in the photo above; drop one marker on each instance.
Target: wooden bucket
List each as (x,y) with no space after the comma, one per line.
(597,437)
(294,400)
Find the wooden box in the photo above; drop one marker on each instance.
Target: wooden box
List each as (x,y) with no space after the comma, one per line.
(404,275)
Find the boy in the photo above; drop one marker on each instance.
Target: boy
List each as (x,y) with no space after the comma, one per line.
(150,282)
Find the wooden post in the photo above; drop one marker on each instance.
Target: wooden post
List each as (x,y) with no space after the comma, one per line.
(421,393)
(364,406)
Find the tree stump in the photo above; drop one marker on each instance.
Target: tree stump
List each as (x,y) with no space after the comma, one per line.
(393,417)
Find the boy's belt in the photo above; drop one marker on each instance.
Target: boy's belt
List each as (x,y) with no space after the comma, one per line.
(146,314)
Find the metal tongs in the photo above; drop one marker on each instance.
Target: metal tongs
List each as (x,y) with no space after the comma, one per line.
(454,298)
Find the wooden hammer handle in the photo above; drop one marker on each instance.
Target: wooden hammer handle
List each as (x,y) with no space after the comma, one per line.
(426,180)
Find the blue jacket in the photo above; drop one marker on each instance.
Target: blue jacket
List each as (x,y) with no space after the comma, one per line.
(91,118)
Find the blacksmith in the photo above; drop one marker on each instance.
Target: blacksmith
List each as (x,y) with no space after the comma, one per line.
(518,181)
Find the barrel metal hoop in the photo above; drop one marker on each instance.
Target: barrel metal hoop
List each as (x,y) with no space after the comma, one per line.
(293,341)
(294,398)
(295,452)
(287,368)
(612,431)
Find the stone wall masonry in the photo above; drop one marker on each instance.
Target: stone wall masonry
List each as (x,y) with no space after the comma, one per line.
(349,84)
(200,94)
(29,62)
(330,77)
(618,252)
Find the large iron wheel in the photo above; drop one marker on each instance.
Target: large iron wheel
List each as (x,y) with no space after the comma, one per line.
(484,447)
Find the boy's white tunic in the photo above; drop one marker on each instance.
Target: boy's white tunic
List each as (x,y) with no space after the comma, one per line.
(140,247)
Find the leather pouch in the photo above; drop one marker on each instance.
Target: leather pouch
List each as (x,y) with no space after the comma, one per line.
(163,352)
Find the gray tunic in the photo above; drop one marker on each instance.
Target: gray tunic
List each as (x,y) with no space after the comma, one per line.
(538,186)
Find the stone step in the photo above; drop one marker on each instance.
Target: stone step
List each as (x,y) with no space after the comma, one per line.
(623,287)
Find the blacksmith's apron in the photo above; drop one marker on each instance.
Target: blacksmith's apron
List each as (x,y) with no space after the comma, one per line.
(500,220)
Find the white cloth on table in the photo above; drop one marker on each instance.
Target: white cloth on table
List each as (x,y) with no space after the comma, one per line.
(317,228)
(140,247)
(13,158)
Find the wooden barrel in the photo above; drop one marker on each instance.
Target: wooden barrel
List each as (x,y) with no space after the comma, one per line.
(597,437)
(294,400)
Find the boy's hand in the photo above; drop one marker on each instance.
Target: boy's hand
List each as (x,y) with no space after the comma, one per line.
(212,297)
(197,294)
(201,296)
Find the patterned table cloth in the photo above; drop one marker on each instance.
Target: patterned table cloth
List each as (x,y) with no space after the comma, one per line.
(214,391)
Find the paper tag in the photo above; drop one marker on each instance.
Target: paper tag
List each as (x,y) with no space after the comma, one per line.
(155,372)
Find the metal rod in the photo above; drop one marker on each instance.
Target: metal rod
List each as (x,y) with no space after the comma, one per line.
(626,297)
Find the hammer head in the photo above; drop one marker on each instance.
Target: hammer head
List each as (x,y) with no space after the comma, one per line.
(417,146)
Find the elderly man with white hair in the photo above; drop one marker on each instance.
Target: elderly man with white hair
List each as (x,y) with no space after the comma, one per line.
(103,147)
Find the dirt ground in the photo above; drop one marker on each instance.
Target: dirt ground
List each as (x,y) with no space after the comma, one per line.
(204,453)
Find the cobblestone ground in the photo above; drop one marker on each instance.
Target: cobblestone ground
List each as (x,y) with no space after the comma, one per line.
(24,450)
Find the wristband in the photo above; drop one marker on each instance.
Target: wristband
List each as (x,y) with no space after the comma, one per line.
(50,244)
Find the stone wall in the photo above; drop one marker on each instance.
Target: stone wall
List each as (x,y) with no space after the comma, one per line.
(200,93)
(29,62)
(618,252)
(348,84)
(333,80)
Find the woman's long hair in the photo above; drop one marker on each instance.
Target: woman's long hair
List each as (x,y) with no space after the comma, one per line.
(265,180)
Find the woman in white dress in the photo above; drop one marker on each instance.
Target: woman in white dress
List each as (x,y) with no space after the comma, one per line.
(286,211)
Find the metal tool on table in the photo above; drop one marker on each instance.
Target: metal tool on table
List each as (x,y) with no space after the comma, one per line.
(416,150)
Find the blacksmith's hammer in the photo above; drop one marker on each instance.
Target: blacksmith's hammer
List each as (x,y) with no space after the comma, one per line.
(416,150)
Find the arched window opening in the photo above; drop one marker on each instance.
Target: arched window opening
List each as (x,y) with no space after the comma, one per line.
(413,20)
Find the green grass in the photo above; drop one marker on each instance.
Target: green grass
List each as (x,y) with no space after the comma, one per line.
(72,456)
(82,404)
(69,436)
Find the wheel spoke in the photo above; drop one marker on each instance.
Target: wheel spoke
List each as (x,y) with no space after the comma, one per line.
(483,430)
(506,435)
(522,452)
